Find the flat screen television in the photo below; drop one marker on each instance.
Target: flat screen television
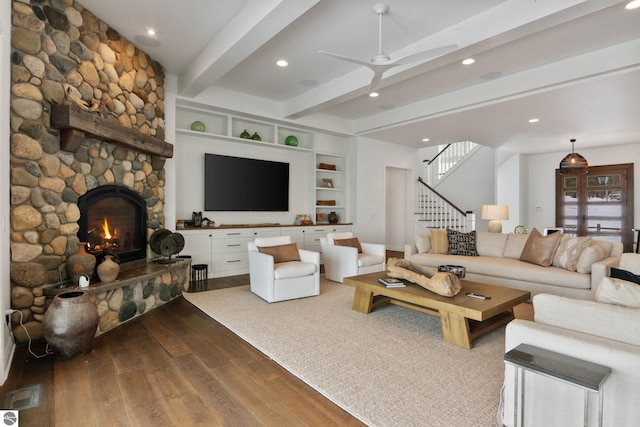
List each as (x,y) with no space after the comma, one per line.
(242,184)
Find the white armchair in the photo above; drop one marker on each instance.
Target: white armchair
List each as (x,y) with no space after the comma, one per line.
(278,281)
(345,261)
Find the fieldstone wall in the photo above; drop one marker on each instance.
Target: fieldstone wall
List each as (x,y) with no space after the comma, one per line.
(62,53)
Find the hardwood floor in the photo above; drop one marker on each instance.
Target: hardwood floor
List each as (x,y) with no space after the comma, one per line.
(171,366)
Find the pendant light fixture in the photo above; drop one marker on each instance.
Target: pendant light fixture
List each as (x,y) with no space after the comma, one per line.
(574,162)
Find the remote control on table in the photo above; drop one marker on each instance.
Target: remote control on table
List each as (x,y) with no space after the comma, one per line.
(478,296)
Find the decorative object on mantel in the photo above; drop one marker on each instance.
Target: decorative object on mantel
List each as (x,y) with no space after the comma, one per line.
(326,202)
(333,218)
(303,219)
(245,135)
(197,219)
(327,166)
(80,264)
(495,213)
(291,140)
(574,162)
(70,323)
(108,269)
(166,244)
(198,126)
(256,137)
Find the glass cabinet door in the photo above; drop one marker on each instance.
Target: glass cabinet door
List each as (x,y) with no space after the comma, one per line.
(597,204)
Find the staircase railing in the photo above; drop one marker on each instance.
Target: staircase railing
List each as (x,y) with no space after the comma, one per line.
(435,211)
(447,158)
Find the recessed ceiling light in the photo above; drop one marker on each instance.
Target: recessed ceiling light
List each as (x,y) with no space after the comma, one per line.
(425,139)
(468,61)
(373,94)
(282,63)
(151,32)
(633,5)
(534,120)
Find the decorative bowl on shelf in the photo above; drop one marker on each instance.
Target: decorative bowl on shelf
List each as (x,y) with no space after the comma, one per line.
(256,137)
(245,135)
(291,140)
(198,126)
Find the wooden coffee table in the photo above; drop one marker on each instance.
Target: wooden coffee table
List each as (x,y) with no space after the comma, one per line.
(462,318)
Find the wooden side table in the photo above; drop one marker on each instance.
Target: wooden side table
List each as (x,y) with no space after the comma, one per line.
(580,373)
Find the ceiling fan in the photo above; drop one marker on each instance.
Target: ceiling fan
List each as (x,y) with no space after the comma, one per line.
(382,62)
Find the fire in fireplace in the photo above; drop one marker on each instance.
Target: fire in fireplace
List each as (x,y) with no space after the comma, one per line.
(113,221)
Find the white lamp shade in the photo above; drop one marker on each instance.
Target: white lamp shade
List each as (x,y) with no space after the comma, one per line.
(495,212)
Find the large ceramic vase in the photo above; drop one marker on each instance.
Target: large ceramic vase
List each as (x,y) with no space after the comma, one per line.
(70,323)
(80,264)
(108,270)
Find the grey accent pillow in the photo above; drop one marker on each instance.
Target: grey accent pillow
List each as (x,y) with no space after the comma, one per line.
(460,243)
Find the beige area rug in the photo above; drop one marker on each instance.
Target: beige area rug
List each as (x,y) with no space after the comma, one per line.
(387,368)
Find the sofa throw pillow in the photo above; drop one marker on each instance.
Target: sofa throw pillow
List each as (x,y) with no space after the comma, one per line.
(515,244)
(352,242)
(569,251)
(605,245)
(540,249)
(281,253)
(459,243)
(589,255)
(618,273)
(423,243)
(439,244)
(491,244)
(619,292)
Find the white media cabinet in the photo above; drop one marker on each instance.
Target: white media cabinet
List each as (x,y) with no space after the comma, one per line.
(224,249)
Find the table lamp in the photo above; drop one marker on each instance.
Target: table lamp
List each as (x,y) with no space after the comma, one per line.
(495,213)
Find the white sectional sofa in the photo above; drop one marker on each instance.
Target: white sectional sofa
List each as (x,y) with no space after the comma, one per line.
(498,262)
(597,332)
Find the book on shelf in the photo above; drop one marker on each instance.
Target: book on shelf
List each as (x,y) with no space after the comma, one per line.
(391,282)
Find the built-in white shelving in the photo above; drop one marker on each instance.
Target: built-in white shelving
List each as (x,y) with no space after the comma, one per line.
(323,148)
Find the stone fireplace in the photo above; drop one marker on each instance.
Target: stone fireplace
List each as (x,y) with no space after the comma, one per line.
(113,220)
(87,121)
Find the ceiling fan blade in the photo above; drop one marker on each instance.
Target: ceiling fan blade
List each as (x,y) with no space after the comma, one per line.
(375,80)
(347,58)
(431,53)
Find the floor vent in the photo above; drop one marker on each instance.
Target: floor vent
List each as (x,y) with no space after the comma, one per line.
(24,398)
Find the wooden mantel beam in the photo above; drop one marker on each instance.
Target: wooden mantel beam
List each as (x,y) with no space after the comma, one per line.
(74,123)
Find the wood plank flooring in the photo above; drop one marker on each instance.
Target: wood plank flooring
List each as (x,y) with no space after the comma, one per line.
(172,366)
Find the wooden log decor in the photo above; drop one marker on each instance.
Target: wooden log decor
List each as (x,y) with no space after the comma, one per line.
(75,124)
(445,284)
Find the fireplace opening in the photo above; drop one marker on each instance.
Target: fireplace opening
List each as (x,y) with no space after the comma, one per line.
(113,221)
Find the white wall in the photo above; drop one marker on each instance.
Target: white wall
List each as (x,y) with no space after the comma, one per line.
(472,184)
(510,188)
(372,158)
(540,179)
(170,88)
(7,346)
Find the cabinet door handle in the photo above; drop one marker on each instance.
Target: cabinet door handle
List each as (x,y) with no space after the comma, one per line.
(234,245)
(232,234)
(234,260)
